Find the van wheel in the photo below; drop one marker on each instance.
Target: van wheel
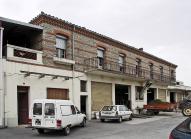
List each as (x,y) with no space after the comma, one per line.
(67,131)
(40,131)
(120,119)
(83,124)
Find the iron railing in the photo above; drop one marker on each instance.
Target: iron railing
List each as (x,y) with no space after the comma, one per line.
(128,70)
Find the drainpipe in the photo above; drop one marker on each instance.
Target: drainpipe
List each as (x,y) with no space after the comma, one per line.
(2,112)
(73,68)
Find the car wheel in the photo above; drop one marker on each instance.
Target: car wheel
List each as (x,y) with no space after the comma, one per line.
(120,119)
(186,111)
(67,131)
(102,120)
(131,117)
(40,131)
(83,124)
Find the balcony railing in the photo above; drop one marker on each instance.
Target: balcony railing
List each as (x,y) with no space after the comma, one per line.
(21,54)
(128,70)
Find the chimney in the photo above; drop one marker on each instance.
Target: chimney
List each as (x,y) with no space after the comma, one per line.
(141,49)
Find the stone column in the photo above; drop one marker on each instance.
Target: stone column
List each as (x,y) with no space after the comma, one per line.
(2,101)
(113,93)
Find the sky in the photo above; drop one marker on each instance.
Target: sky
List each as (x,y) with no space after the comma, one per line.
(161,27)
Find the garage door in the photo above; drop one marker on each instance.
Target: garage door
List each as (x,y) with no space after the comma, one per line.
(101,95)
(162,94)
(55,93)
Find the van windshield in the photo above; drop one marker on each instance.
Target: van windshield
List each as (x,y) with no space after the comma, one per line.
(37,109)
(49,109)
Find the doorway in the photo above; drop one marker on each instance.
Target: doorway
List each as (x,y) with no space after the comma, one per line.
(122,95)
(172,97)
(83,104)
(23,104)
(150,95)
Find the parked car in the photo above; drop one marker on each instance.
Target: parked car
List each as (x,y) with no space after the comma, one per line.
(115,112)
(50,114)
(182,131)
(185,106)
(155,106)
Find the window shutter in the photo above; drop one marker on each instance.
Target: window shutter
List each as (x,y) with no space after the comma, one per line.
(61,43)
(100,53)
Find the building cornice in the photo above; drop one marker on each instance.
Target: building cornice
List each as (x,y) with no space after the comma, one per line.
(45,18)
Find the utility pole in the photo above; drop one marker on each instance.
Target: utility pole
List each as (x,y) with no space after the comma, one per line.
(1,80)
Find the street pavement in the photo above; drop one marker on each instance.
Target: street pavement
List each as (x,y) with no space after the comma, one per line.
(157,127)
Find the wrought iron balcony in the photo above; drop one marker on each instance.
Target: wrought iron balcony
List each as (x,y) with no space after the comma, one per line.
(95,63)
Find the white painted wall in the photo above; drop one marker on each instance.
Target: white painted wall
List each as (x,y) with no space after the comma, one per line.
(38,87)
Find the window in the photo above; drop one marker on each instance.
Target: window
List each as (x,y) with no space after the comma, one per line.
(121,62)
(49,109)
(172,73)
(78,111)
(83,86)
(138,67)
(161,72)
(109,108)
(139,93)
(65,110)
(121,108)
(37,109)
(151,70)
(61,43)
(100,56)
(73,110)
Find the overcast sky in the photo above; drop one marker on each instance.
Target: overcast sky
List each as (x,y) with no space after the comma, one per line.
(161,27)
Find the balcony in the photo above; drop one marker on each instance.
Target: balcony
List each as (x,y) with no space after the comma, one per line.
(93,65)
(21,54)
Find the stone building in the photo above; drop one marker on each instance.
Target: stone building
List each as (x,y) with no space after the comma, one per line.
(52,58)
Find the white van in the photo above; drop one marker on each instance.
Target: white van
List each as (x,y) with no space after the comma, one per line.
(50,114)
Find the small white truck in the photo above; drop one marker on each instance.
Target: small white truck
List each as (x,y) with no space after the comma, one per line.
(50,114)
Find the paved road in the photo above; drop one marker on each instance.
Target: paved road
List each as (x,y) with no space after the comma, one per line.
(157,127)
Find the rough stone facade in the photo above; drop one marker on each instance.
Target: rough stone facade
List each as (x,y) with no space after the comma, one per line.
(85,47)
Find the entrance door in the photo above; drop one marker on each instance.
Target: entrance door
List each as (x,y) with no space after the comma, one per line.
(83,104)
(150,95)
(122,95)
(23,106)
(172,97)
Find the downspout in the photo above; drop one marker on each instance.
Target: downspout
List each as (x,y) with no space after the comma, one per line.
(2,111)
(73,66)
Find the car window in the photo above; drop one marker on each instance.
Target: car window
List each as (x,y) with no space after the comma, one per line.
(37,109)
(73,109)
(49,109)
(77,110)
(109,108)
(125,108)
(121,108)
(185,126)
(65,110)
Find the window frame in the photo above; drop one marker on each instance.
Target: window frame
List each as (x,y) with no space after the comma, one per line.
(101,59)
(83,89)
(49,108)
(61,50)
(121,64)
(138,93)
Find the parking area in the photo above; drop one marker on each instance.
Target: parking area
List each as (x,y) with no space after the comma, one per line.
(157,127)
